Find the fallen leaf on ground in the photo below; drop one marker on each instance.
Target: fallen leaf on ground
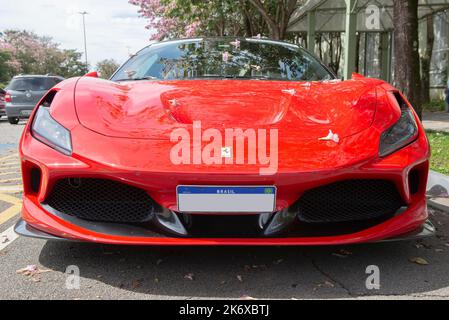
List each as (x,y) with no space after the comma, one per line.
(240,278)
(342,254)
(255,267)
(189,276)
(278,262)
(137,284)
(420,261)
(32,272)
(329,284)
(325,284)
(259,267)
(421,244)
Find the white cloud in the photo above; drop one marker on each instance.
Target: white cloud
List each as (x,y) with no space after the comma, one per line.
(113,26)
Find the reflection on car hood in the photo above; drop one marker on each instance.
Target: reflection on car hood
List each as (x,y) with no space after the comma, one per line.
(153,109)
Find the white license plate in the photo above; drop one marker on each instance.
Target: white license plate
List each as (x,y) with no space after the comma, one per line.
(26,113)
(209,199)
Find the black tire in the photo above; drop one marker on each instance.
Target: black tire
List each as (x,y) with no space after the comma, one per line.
(13,120)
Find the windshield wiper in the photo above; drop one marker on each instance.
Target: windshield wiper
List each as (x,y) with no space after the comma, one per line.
(211,76)
(139,79)
(232,77)
(254,77)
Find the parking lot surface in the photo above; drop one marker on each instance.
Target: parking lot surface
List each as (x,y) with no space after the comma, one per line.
(414,269)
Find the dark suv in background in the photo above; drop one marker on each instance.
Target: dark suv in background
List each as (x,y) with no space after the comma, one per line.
(24,92)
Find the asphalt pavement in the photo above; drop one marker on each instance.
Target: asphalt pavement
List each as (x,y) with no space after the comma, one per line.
(36,269)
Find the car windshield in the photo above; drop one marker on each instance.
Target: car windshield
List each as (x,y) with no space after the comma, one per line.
(223,59)
(33,84)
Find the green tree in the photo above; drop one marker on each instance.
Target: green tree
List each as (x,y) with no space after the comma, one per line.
(34,54)
(71,64)
(107,67)
(7,70)
(277,14)
(181,18)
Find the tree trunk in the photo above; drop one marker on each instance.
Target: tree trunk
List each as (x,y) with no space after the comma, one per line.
(357,53)
(407,68)
(276,21)
(426,59)
(246,19)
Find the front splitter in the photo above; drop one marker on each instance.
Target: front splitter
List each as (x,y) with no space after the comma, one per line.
(24,229)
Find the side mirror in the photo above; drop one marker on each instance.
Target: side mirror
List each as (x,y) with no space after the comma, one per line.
(93,74)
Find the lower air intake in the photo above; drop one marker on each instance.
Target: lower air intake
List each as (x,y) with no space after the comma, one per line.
(346,201)
(101,201)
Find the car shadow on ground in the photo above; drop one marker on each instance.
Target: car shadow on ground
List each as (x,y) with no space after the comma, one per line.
(273,272)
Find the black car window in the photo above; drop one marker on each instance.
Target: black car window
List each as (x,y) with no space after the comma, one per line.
(245,59)
(54,81)
(32,84)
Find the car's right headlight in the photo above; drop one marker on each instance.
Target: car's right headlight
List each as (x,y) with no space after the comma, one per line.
(48,131)
(401,134)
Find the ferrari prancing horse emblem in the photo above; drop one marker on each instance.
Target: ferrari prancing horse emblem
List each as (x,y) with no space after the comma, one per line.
(226,153)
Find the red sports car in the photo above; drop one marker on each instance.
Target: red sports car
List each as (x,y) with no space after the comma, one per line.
(224,142)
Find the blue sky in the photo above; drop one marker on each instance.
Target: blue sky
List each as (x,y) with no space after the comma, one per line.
(113,26)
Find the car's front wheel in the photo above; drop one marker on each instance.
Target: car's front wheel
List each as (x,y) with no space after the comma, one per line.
(13,120)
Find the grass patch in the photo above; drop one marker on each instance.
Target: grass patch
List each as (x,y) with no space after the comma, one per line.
(435,106)
(439,142)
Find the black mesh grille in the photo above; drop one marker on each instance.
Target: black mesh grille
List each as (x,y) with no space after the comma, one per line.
(355,200)
(101,200)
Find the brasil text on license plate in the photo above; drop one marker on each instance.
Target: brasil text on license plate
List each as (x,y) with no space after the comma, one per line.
(210,199)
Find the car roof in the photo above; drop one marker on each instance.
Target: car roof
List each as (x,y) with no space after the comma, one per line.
(226,38)
(261,39)
(37,76)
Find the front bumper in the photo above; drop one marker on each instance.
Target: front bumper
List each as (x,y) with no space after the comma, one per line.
(20,111)
(160,183)
(40,223)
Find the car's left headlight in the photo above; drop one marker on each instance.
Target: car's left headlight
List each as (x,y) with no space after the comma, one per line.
(50,132)
(404,132)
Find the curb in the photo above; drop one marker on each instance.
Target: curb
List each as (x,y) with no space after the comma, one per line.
(438,191)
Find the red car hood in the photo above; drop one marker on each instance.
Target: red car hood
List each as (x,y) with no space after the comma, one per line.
(151,110)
